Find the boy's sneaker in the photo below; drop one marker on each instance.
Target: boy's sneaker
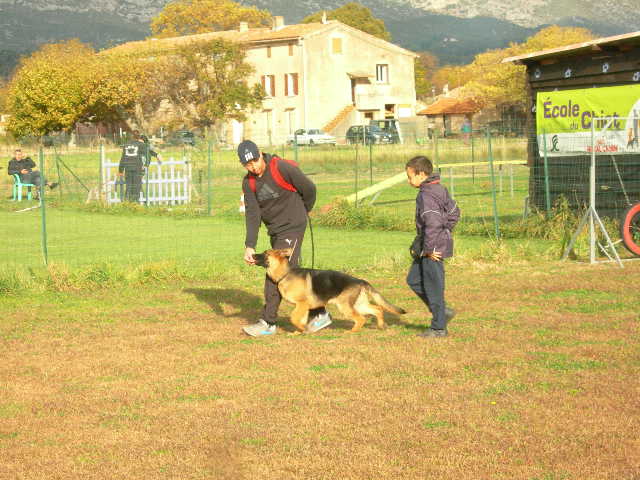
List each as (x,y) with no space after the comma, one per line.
(319,322)
(259,329)
(433,333)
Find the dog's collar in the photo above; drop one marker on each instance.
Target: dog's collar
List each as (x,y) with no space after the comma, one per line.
(283,277)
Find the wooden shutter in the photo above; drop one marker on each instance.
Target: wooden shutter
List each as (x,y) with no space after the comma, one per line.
(295,83)
(286,85)
(273,85)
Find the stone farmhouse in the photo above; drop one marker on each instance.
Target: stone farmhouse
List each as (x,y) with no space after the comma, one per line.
(324,75)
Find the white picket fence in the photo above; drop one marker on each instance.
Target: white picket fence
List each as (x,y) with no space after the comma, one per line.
(168,183)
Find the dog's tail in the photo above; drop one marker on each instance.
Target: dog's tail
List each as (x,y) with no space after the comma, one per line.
(383,302)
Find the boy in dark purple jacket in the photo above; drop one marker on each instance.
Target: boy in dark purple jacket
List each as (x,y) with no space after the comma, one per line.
(436,215)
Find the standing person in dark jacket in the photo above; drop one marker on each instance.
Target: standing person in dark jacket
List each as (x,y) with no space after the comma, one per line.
(24,167)
(436,215)
(136,156)
(278,194)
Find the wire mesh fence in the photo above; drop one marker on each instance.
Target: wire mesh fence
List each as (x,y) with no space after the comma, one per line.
(84,220)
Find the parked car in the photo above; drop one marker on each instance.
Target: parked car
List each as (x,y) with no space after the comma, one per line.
(181,137)
(390,126)
(368,134)
(312,136)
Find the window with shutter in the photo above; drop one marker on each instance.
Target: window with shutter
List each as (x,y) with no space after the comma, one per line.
(382,73)
(291,84)
(269,85)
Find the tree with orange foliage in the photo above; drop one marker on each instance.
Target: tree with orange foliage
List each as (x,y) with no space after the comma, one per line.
(186,17)
(65,83)
(490,82)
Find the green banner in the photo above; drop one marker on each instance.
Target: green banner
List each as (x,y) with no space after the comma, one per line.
(564,120)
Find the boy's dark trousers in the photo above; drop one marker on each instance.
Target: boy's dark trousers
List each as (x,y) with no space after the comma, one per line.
(426,279)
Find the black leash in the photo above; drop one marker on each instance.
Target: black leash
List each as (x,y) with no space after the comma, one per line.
(313,247)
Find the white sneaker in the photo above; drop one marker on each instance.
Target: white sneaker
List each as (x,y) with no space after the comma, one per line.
(319,322)
(259,329)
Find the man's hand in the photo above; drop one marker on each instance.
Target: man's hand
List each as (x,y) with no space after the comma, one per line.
(435,256)
(24,170)
(248,255)
(120,174)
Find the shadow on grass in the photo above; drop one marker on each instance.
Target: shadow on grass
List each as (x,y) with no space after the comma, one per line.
(229,302)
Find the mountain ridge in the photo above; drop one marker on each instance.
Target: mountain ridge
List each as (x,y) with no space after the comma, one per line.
(454,30)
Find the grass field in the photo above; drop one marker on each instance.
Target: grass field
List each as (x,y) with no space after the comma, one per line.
(125,357)
(537,380)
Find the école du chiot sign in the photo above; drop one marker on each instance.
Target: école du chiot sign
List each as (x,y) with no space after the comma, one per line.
(565,120)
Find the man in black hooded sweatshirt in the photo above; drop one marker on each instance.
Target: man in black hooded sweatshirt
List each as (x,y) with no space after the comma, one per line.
(278,194)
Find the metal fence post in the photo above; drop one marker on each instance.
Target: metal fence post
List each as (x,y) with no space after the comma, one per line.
(209,177)
(100,172)
(473,157)
(43,210)
(546,172)
(493,185)
(453,192)
(356,176)
(511,178)
(370,163)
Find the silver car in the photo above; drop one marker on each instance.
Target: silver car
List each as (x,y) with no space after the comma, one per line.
(312,136)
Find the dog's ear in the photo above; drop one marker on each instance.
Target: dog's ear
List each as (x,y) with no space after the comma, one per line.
(286,252)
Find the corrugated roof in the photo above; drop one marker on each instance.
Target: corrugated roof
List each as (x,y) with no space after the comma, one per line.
(632,38)
(451,106)
(252,35)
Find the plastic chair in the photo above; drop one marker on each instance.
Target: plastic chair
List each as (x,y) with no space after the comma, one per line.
(17,188)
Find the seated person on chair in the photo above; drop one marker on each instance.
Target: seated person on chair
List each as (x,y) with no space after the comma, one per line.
(24,167)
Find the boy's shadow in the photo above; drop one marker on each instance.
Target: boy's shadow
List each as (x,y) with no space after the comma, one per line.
(228,302)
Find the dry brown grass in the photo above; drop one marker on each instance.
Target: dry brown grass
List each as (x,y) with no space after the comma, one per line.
(538,380)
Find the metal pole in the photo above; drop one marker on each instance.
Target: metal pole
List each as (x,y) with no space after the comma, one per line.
(371,163)
(546,173)
(592,196)
(452,186)
(473,157)
(101,172)
(493,186)
(435,147)
(45,250)
(295,147)
(356,176)
(511,178)
(59,175)
(209,177)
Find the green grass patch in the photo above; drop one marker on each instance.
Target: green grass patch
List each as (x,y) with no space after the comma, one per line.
(322,368)
(563,363)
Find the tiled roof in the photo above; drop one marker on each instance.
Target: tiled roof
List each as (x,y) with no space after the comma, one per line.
(252,35)
(451,106)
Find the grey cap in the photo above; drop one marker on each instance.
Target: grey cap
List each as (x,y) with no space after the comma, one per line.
(247,152)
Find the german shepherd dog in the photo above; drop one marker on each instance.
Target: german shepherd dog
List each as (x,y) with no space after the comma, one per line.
(308,289)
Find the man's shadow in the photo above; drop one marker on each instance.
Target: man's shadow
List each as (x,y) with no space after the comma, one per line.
(229,302)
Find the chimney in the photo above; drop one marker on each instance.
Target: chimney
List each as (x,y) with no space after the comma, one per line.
(244,26)
(278,23)
(324,17)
